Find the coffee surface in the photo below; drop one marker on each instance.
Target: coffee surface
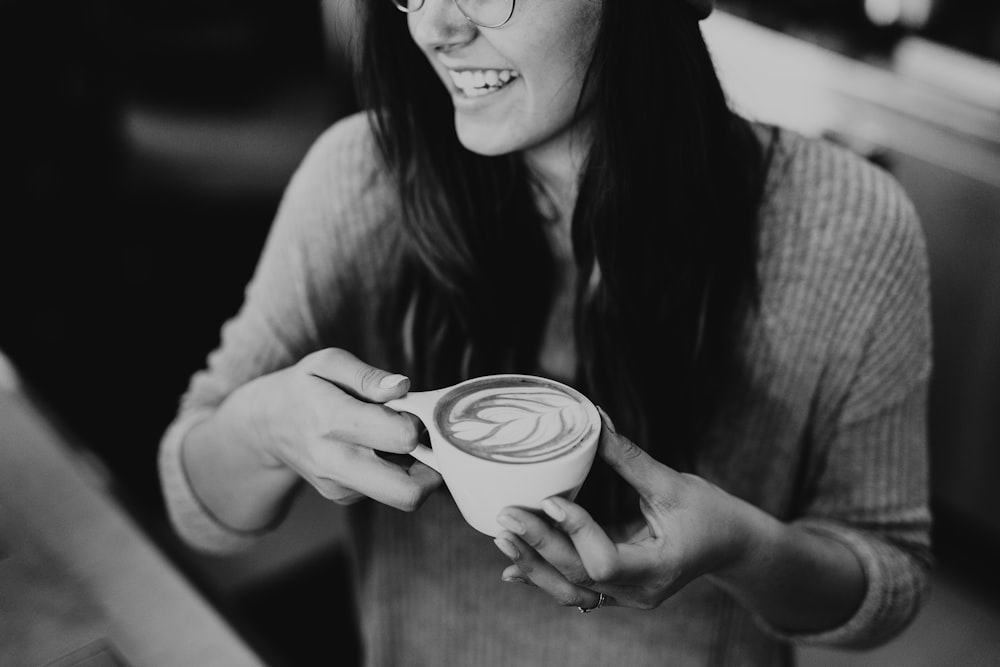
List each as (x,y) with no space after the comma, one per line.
(513,420)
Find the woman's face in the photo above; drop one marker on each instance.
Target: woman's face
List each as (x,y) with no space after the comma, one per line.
(515,87)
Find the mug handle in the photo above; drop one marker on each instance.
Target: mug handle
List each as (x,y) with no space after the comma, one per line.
(425,455)
(421,404)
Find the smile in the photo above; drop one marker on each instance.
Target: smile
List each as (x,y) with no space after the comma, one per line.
(479,82)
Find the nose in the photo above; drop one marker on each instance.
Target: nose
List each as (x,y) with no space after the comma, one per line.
(440,25)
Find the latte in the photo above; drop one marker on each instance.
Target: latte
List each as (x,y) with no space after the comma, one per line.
(517,420)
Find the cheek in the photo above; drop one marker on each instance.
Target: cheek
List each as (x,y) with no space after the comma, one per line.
(563,62)
(555,92)
(580,26)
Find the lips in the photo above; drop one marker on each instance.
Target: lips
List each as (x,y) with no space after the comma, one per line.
(479,82)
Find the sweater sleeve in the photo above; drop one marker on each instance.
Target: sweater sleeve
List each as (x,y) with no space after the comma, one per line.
(298,290)
(870,488)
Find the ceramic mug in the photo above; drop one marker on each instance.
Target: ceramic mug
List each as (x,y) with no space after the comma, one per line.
(501,440)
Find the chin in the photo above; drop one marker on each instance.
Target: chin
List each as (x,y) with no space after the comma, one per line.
(487,140)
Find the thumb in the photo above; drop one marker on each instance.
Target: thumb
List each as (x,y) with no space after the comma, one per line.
(361,380)
(642,472)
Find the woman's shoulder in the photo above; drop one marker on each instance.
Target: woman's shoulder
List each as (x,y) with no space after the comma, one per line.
(349,137)
(344,155)
(339,208)
(825,183)
(340,187)
(823,200)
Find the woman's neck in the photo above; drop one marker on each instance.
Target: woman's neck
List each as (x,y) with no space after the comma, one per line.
(556,167)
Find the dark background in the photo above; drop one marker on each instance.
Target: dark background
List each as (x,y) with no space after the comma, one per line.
(144,149)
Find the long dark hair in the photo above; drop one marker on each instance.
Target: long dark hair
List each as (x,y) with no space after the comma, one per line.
(664,230)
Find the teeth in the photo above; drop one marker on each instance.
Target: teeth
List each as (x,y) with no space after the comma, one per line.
(475,83)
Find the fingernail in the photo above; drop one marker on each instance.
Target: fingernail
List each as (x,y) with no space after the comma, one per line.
(511,524)
(508,549)
(607,420)
(390,381)
(550,507)
(514,580)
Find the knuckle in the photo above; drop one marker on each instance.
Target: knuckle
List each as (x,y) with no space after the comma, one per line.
(309,360)
(658,503)
(349,499)
(331,490)
(536,540)
(650,599)
(406,434)
(574,524)
(569,598)
(333,355)
(630,450)
(410,499)
(603,571)
(328,355)
(366,377)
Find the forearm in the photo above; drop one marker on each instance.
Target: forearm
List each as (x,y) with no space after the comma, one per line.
(231,478)
(798,581)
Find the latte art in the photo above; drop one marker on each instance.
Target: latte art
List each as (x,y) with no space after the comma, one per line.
(513,423)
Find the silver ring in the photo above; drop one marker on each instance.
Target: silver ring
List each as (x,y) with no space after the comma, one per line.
(587,610)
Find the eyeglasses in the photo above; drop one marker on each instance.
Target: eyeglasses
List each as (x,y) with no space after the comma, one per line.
(484,13)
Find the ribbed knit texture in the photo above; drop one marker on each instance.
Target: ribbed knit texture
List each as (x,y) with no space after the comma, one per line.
(828,429)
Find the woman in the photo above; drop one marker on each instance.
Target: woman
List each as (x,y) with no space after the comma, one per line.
(558,187)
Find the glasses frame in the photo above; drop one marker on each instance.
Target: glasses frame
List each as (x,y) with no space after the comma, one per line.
(420,5)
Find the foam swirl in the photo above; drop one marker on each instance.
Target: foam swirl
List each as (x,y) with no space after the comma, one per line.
(520,423)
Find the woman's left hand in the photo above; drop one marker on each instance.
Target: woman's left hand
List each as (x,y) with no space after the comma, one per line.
(691,528)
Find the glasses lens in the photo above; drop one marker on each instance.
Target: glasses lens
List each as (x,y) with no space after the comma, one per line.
(487,13)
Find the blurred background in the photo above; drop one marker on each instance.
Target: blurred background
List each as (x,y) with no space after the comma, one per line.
(145,146)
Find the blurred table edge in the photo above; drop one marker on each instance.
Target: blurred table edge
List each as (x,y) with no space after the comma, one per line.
(156,617)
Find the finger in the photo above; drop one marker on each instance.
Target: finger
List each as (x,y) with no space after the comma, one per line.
(542,574)
(340,494)
(551,544)
(354,376)
(359,469)
(513,574)
(346,418)
(642,472)
(602,559)
(424,476)
(350,499)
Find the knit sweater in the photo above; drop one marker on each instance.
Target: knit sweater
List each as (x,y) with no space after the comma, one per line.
(826,428)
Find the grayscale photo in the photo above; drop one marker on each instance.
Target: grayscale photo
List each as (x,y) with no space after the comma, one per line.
(550,333)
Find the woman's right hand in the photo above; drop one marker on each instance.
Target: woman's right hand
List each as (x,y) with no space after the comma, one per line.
(322,418)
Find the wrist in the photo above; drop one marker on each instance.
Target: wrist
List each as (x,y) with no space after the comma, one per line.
(795,580)
(246,409)
(227,476)
(754,536)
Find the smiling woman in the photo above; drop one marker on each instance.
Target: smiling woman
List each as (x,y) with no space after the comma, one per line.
(565,192)
(526,77)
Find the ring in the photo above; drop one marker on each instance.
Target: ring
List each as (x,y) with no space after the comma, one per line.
(587,610)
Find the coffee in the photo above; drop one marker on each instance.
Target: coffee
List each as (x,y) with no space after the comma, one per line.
(514,420)
(479,427)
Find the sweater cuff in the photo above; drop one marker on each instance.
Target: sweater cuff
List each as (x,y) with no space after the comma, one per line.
(895,586)
(190,518)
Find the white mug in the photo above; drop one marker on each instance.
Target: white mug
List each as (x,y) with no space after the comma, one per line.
(502,440)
